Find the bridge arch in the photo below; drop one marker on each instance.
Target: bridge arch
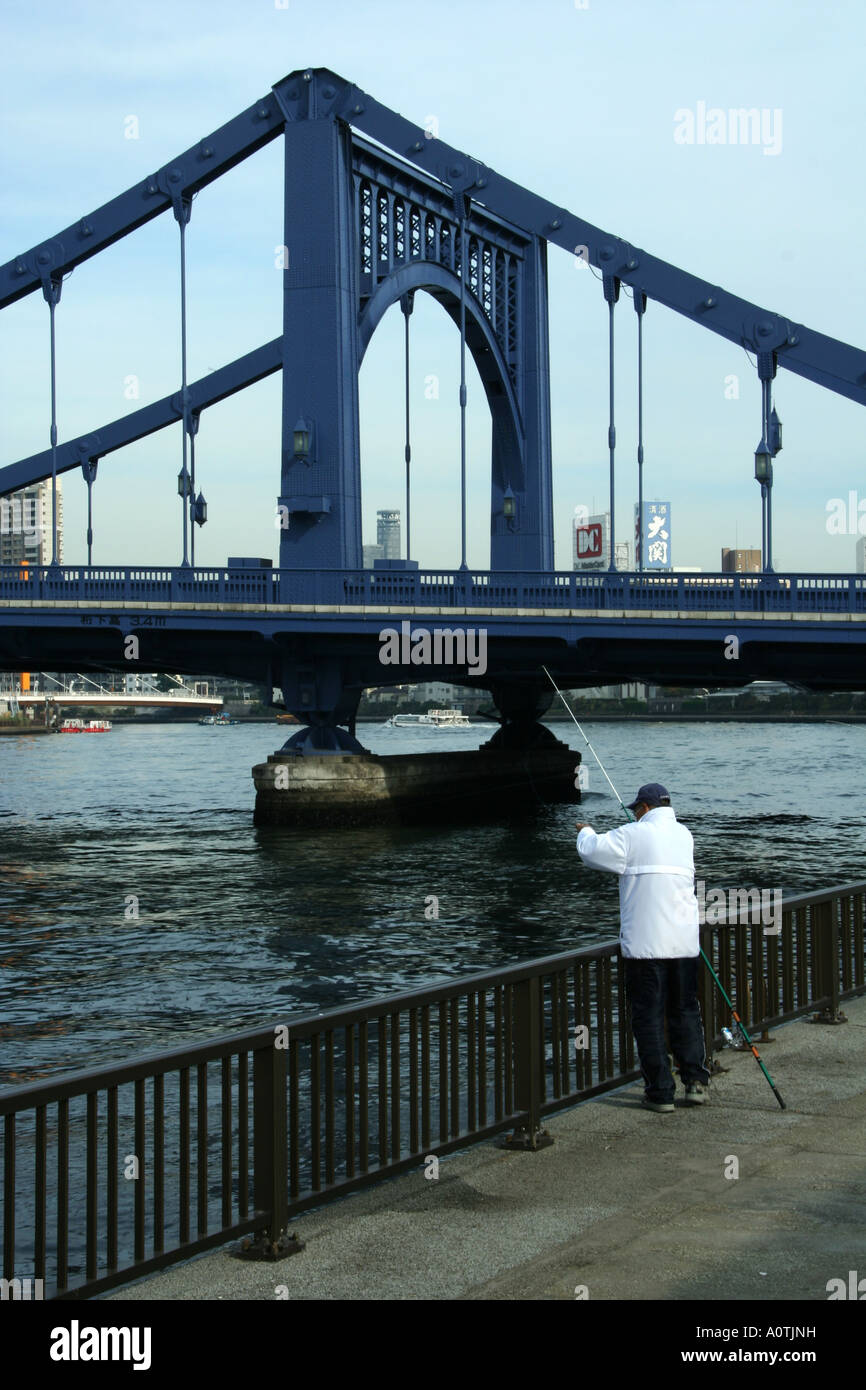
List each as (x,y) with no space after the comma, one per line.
(507,463)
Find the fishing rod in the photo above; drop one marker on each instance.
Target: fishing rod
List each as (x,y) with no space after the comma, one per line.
(736,1016)
(742,1028)
(588,744)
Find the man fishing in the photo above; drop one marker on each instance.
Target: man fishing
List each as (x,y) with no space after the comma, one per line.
(654,858)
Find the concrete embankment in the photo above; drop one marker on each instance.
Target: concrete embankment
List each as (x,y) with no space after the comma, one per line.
(625,1204)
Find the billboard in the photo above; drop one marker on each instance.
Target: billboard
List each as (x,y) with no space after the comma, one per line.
(653,538)
(591,542)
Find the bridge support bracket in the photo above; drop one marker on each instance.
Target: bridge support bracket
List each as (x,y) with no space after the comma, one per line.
(263,1248)
(829,1015)
(527,1141)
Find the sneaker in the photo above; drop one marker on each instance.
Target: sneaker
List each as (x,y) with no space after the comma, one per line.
(695,1094)
(662,1107)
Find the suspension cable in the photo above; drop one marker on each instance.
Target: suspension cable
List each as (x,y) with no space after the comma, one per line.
(640,310)
(183,379)
(611,294)
(51,291)
(407,304)
(191,507)
(463,259)
(182,209)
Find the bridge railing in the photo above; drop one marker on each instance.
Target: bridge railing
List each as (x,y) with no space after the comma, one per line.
(117,1172)
(597,591)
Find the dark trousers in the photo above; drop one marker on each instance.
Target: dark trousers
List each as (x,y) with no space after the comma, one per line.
(659,988)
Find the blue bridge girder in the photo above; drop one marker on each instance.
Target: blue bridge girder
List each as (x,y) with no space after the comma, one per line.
(588,629)
(368,220)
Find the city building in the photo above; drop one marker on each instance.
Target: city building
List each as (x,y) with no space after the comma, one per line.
(861,555)
(388,534)
(371,553)
(26,525)
(437,692)
(141,684)
(632,690)
(741,561)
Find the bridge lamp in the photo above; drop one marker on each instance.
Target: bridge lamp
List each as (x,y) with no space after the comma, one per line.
(764,475)
(302,440)
(199,510)
(775,441)
(763,464)
(183,483)
(509,507)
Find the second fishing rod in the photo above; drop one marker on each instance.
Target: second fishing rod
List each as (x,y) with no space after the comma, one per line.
(738,1021)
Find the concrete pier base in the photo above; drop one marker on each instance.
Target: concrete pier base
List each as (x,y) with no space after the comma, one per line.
(487,783)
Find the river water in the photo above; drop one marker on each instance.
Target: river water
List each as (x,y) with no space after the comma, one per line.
(238,925)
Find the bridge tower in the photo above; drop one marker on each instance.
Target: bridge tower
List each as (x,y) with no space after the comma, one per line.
(363,227)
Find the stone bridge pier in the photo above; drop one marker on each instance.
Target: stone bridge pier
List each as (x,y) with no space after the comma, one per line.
(323,776)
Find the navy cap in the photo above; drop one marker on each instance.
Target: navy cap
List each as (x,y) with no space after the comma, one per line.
(652,794)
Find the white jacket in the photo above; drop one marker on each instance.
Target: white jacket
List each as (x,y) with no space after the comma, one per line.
(654,858)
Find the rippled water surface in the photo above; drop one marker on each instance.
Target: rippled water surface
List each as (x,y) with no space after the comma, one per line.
(238,925)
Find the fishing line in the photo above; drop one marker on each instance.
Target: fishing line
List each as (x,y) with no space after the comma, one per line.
(588,744)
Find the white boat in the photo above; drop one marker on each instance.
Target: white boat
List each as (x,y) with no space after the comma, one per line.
(98,726)
(72,726)
(434,718)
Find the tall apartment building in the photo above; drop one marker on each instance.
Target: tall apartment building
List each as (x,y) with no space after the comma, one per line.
(741,561)
(861,555)
(25,525)
(388,534)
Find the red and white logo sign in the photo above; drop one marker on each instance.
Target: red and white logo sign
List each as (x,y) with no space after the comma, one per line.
(589,541)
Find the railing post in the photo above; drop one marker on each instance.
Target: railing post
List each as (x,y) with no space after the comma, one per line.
(825,944)
(270,1153)
(528,1065)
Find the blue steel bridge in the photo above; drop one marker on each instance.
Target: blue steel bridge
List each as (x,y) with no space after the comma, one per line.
(376,211)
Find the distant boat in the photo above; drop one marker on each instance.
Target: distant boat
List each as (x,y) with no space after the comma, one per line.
(217,721)
(453,718)
(98,726)
(78,726)
(72,726)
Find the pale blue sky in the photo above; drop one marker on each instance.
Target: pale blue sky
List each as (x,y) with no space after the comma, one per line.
(577,104)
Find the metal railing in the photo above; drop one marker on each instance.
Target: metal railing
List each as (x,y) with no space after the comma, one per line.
(117,1172)
(602,591)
